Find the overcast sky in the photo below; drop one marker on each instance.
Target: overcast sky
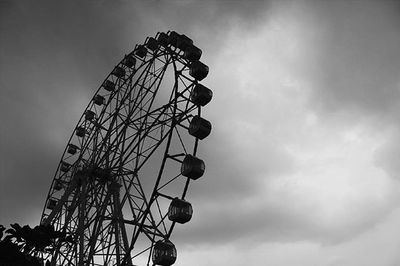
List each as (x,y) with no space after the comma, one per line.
(304,158)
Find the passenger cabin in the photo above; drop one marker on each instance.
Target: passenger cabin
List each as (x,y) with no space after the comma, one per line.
(183,42)
(129,61)
(51,204)
(58,185)
(80,132)
(201,95)
(162,39)
(99,100)
(152,44)
(108,85)
(180,211)
(192,167)
(198,70)
(141,51)
(173,38)
(72,149)
(199,127)
(89,115)
(119,72)
(64,167)
(192,53)
(164,253)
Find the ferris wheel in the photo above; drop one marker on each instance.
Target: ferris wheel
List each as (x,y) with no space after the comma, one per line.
(121,185)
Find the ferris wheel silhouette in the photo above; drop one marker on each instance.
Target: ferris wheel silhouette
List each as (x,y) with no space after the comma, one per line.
(122,182)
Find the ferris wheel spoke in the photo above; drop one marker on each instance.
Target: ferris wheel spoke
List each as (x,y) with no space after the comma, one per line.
(125,125)
(135,142)
(150,128)
(112,117)
(133,199)
(161,222)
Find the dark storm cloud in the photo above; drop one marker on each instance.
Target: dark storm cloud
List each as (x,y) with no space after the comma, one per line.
(252,221)
(357,64)
(214,16)
(207,22)
(353,67)
(53,53)
(388,156)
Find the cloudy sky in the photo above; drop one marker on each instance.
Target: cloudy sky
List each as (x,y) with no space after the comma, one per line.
(304,158)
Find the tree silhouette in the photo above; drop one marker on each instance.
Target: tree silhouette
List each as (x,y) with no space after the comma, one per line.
(23,245)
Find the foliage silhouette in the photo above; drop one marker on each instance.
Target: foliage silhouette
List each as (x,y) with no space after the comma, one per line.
(23,246)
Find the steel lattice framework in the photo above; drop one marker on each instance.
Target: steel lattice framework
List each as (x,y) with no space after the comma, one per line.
(123,164)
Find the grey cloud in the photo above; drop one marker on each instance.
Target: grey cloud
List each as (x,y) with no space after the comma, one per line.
(249,221)
(358,63)
(351,65)
(234,173)
(46,52)
(208,21)
(355,66)
(51,51)
(388,156)
(58,48)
